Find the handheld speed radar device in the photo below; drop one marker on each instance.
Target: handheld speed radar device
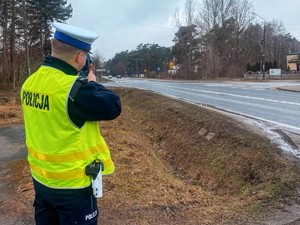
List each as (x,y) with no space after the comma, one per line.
(95,171)
(86,69)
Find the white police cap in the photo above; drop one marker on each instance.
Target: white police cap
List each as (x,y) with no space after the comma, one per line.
(74,36)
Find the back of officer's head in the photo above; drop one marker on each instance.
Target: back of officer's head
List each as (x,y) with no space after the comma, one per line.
(71,43)
(61,48)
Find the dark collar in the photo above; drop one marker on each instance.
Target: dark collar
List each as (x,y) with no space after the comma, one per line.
(61,65)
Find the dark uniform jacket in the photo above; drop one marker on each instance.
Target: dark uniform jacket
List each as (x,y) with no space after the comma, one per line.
(93,102)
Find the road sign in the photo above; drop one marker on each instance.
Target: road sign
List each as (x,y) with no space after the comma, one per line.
(171,64)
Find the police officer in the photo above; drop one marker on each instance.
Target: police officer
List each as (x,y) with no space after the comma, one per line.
(63,137)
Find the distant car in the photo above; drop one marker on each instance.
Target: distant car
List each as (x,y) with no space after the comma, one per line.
(119,76)
(109,76)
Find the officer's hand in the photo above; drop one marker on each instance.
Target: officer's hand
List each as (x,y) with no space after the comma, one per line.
(91,76)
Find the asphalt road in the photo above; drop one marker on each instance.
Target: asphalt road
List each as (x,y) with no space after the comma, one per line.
(12,142)
(259,100)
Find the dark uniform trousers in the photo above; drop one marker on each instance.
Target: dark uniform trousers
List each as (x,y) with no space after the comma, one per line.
(64,206)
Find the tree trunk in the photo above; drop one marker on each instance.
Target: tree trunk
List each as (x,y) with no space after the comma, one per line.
(27,56)
(12,47)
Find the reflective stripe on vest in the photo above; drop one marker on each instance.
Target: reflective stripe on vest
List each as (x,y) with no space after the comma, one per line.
(67,157)
(67,175)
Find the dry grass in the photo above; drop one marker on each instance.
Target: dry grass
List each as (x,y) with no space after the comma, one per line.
(10,109)
(168,171)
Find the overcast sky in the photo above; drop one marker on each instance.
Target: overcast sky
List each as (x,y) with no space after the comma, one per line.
(124,24)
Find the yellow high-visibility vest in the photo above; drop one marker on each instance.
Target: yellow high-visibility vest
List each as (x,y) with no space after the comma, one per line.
(58,151)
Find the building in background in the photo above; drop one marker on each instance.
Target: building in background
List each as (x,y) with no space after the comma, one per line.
(293,61)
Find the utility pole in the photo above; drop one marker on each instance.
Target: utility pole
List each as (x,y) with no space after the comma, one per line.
(264,52)
(263,44)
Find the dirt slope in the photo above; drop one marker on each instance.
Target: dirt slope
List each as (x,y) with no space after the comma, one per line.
(176,163)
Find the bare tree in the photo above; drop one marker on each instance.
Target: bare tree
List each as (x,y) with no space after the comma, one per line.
(98,60)
(227,42)
(187,18)
(223,23)
(189,12)
(243,14)
(176,21)
(214,12)
(275,47)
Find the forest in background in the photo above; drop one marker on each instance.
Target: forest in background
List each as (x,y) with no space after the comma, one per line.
(214,38)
